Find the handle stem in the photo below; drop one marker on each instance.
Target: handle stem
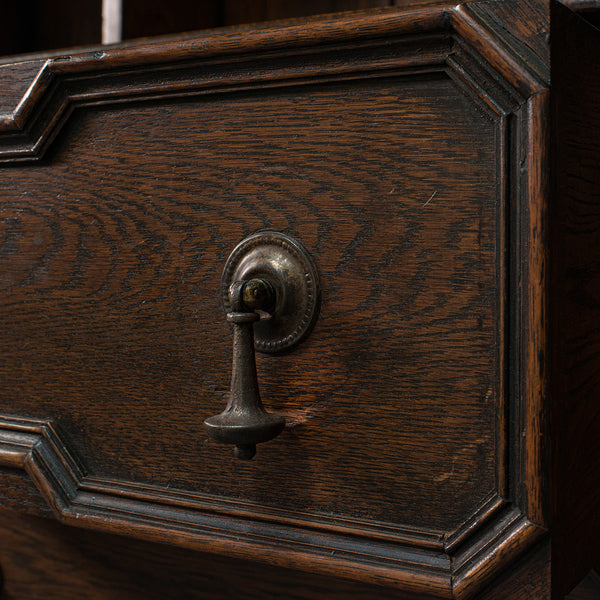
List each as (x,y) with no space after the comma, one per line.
(244,422)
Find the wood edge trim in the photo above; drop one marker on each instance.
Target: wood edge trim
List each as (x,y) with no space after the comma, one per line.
(388,18)
(55,472)
(28,130)
(488,510)
(495,556)
(36,448)
(536,358)
(238,509)
(59,479)
(55,500)
(16,121)
(246,40)
(319,33)
(413,581)
(468,26)
(32,97)
(13,456)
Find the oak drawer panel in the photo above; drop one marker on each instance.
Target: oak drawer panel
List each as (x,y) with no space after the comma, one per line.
(407,164)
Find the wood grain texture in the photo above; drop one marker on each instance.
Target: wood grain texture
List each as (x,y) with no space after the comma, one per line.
(576,291)
(525,30)
(193,521)
(529,579)
(135,258)
(406,150)
(108,567)
(15,79)
(20,494)
(375,553)
(483,35)
(27,137)
(331,113)
(82,564)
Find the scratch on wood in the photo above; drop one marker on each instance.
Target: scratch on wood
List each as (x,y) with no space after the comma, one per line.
(431,198)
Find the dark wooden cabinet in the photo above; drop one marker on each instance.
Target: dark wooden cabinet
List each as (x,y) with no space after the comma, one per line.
(440,164)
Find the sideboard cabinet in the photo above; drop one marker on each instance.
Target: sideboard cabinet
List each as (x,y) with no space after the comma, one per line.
(399,209)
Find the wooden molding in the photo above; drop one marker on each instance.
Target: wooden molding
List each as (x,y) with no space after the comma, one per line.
(452,41)
(210,524)
(168,70)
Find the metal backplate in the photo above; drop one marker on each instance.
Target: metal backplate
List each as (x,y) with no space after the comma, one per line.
(286,264)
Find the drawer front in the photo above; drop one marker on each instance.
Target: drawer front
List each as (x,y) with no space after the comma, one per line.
(403,163)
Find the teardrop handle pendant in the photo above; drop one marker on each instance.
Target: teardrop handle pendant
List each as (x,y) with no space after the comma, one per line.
(268,275)
(245,422)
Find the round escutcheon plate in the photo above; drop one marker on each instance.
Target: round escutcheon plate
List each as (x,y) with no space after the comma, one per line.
(285,263)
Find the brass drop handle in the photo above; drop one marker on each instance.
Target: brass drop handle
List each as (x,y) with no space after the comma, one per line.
(270,273)
(245,422)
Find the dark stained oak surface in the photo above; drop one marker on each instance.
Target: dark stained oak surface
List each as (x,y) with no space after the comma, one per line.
(73,563)
(107,567)
(78,563)
(440,170)
(112,252)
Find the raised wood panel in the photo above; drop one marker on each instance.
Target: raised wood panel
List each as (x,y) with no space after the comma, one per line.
(126,273)
(405,164)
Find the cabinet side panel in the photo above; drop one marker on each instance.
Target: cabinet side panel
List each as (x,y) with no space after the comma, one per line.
(576,297)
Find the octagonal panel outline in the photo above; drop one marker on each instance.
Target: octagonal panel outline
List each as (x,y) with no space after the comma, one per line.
(455,565)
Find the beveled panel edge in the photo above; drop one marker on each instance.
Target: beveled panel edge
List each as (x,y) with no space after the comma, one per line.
(175,518)
(239,509)
(506,538)
(25,442)
(512,535)
(34,446)
(489,45)
(310,36)
(524,133)
(528,243)
(26,131)
(489,510)
(52,97)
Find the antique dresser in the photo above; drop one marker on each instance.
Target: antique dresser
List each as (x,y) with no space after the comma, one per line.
(385,224)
